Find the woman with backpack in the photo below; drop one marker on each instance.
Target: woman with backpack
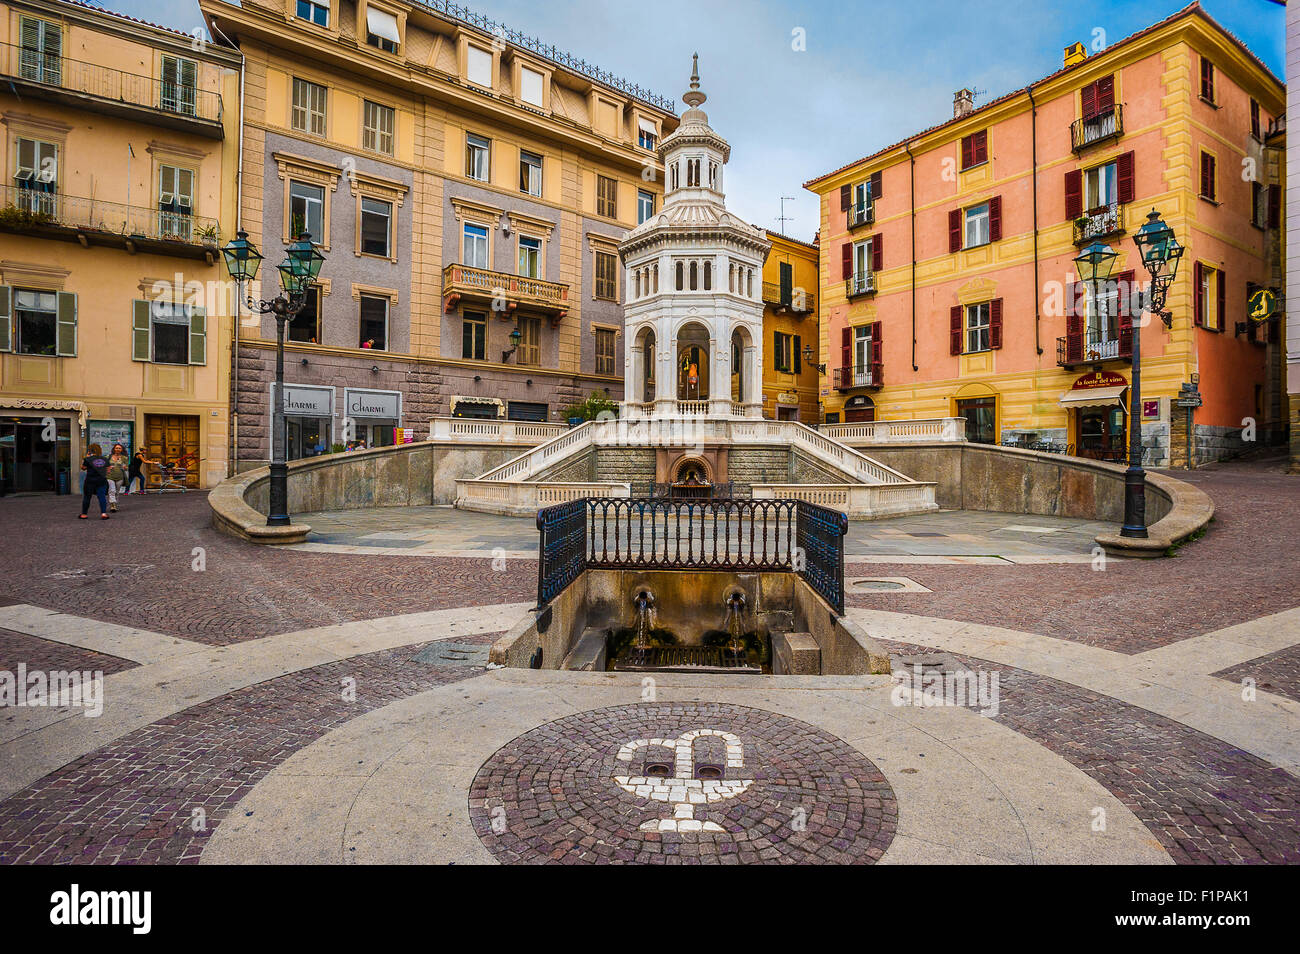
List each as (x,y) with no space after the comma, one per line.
(96,481)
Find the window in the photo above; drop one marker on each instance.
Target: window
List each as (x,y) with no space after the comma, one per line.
(473,336)
(673,177)
(36,175)
(314,11)
(170,326)
(36,321)
(977,225)
(1210,299)
(374,322)
(645,205)
(377,128)
(606,197)
(1254,119)
(692,172)
(476,246)
(530,86)
(862,356)
(308,107)
(41,57)
(607,276)
(305,326)
(785,356)
(605,340)
(1208,183)
(977,327)
(175,202)
(1103,312)
(1207,80)
(981,419)
(713,175)
(381,30)
(376,227)
(646,137)
(530,337)
(974,149)
(180,81)
(1100,187)
(478,66)
(477,150)
(307,210)
(530,257)
(530,173)
(861,199)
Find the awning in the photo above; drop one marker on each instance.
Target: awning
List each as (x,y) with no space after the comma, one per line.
(381,24)
(33,404)
(647,126)
(1093,397)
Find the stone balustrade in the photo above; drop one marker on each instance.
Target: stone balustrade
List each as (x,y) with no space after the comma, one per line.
(897,432)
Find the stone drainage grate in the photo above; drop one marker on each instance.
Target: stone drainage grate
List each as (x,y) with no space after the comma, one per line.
(684,659)
(927,662)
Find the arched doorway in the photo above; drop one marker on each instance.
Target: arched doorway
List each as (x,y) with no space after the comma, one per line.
(859,409)
(693,363)
(978,404)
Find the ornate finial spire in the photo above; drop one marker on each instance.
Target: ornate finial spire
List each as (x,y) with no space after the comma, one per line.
(693,97)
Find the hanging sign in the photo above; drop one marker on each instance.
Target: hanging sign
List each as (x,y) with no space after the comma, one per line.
(1262,304)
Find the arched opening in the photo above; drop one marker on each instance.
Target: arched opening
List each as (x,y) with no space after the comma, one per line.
(692,470)
(681,269)
(708,276)
(645,346)
(859,409)
(740,344)
(693,362)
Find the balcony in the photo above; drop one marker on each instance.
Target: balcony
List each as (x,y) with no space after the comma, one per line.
(861,376)
(112,224)
(797,301)
(481,285)
(861,213)
(1094,348)
(1099,224)
(1085,133)
(863,283)
(113,92)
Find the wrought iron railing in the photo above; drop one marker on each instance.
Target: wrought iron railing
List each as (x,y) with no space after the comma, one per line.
(860,283)
(1098,223)
(692,491)
(1096,345)
(561,549)
(106,83)
(796,299)
(858,376)
(24,208)
(861,213)
(1094,129)
(820,539)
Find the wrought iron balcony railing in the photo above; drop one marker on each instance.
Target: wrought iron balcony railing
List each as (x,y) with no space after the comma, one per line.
(862,283)
(1099,223)
(798,300)
(24,209)
(59,73)
(859,376)
(1094,347)
(483,284)
(1099,128)
(861,213)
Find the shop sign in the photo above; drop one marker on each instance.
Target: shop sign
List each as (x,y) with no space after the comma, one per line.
(1151,409)
(306,401)
(372,405)
(1100,379)
(1262,304)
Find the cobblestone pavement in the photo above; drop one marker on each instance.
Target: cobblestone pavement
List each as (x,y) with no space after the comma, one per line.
(1277,672)
(1207,802)
(46,654)
(796,796)
(157,794)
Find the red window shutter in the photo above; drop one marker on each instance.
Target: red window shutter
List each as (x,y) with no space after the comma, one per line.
(877,353)
(1088,96)
(1073,323)
(995,218)
(1126,185)
(1207,79)
(1210,192)
(1071,297)
(846,257)
(846,347)
(1254,118)
(954,330)
(1124,282)
(995,323)
(981,147)
(1220,297)
(844,198)
(954,230)
(1274,206)
(1198,309)
(877,185)
(1205,177)
(1105,94)
(967,153)
(877,252)
(1073,194)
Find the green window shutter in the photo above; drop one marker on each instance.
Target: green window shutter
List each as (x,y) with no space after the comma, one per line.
(6,318)
(67,336)
(139,330)
(198,336)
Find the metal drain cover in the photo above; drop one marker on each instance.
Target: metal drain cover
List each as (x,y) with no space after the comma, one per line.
(454,654)
(878,585)
(928,662)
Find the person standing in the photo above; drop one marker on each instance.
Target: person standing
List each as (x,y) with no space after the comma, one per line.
(136,470)
(117,467)
(95,464)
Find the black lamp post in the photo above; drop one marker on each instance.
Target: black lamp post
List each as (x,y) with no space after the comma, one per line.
(298,272)
(807,359)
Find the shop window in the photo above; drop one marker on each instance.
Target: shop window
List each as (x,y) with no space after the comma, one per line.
(981,419)
(525,411)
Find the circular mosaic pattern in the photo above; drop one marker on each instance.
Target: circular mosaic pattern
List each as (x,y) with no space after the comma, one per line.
(681,783)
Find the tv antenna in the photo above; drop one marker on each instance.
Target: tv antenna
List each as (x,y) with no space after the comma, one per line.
(783,218)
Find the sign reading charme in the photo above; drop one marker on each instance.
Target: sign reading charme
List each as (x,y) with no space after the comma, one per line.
(378,405)
(1100,379)
(306,401)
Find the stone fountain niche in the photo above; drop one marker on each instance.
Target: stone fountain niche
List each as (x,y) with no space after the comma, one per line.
(785,627)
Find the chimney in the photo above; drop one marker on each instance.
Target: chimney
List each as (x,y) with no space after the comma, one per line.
(963,102)
(1075,53)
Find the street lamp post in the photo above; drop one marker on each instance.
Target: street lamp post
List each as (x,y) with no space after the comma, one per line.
(298,272)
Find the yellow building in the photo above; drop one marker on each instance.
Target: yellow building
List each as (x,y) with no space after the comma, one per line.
(120,143)
(468,187)
(790,377)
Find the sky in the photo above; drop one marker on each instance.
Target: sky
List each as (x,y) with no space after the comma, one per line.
(869,74)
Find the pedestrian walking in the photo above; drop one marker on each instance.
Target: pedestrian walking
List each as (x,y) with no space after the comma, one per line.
(117,468)
(95,464)
(136,470)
